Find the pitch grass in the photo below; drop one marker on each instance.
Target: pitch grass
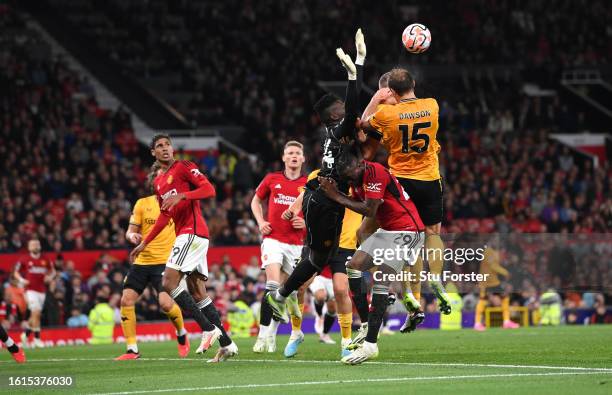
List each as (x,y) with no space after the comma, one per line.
(564,360)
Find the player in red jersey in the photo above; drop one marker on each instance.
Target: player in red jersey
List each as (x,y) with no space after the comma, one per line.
(179,186)
(34,273)
(282,244)
(397,242)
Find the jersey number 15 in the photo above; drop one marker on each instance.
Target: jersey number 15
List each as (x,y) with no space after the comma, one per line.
(405,129)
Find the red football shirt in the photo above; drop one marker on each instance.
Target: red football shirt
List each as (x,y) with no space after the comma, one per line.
(182,177)
(397,211)
(34,271)
(281,192)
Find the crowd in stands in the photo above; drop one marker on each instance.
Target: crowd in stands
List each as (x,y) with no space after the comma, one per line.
(73,169)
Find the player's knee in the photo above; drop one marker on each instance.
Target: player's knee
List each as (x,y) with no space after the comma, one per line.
(341,290)
(433,229)
(165,302)
(127,300)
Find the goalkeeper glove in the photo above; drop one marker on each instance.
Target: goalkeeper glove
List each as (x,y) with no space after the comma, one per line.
(348,64)
(361,48)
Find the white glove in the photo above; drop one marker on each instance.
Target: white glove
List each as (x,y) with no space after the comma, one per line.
(347,63)
(361,48)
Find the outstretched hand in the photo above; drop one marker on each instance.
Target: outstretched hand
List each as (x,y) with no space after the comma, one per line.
(347,63)
(361,47)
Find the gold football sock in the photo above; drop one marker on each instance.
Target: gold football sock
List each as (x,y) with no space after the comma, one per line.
(505,305)
(434,251)
(296,322)
(128,323)
(415,285)
(345,320)
(176,318)
(480,308)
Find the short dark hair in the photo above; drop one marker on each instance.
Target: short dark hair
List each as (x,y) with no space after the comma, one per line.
(349,154)
(401,81)
(323,105)
(158,136)
(383,81)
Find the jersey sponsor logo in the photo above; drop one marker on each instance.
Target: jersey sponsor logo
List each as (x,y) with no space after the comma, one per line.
(170,179)
(373,186)
(277,186)
(149,221)
(195,172)
(415,115)
(37,270)
(284,199)
(169,193)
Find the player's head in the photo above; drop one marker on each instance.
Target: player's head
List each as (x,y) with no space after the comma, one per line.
(155,168)
(34,247)
(400,82)
(161,148)
(330,109)
(350,165)
(293,155)
(383,83)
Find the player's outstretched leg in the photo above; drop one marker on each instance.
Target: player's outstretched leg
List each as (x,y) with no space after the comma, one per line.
(171,283)
(16,352)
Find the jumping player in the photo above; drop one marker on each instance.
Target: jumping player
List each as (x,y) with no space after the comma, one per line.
(282,244)
(323,216)
(179,186)
(34,273)
(379,195)
(148,269)
(408,131)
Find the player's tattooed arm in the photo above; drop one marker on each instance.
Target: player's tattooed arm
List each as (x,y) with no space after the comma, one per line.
(367,208)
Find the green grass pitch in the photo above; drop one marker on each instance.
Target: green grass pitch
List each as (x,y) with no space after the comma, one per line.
(563,360)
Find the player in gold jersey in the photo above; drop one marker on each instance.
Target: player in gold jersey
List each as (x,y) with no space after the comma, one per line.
(148,269)
(408,131)
(492,268)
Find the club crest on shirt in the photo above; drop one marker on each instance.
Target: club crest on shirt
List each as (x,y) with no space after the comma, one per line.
(170,179)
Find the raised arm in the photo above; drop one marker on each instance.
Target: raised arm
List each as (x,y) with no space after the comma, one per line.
(355,77)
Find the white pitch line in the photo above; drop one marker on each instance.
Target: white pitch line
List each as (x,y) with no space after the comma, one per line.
(441,364)
(350,381)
